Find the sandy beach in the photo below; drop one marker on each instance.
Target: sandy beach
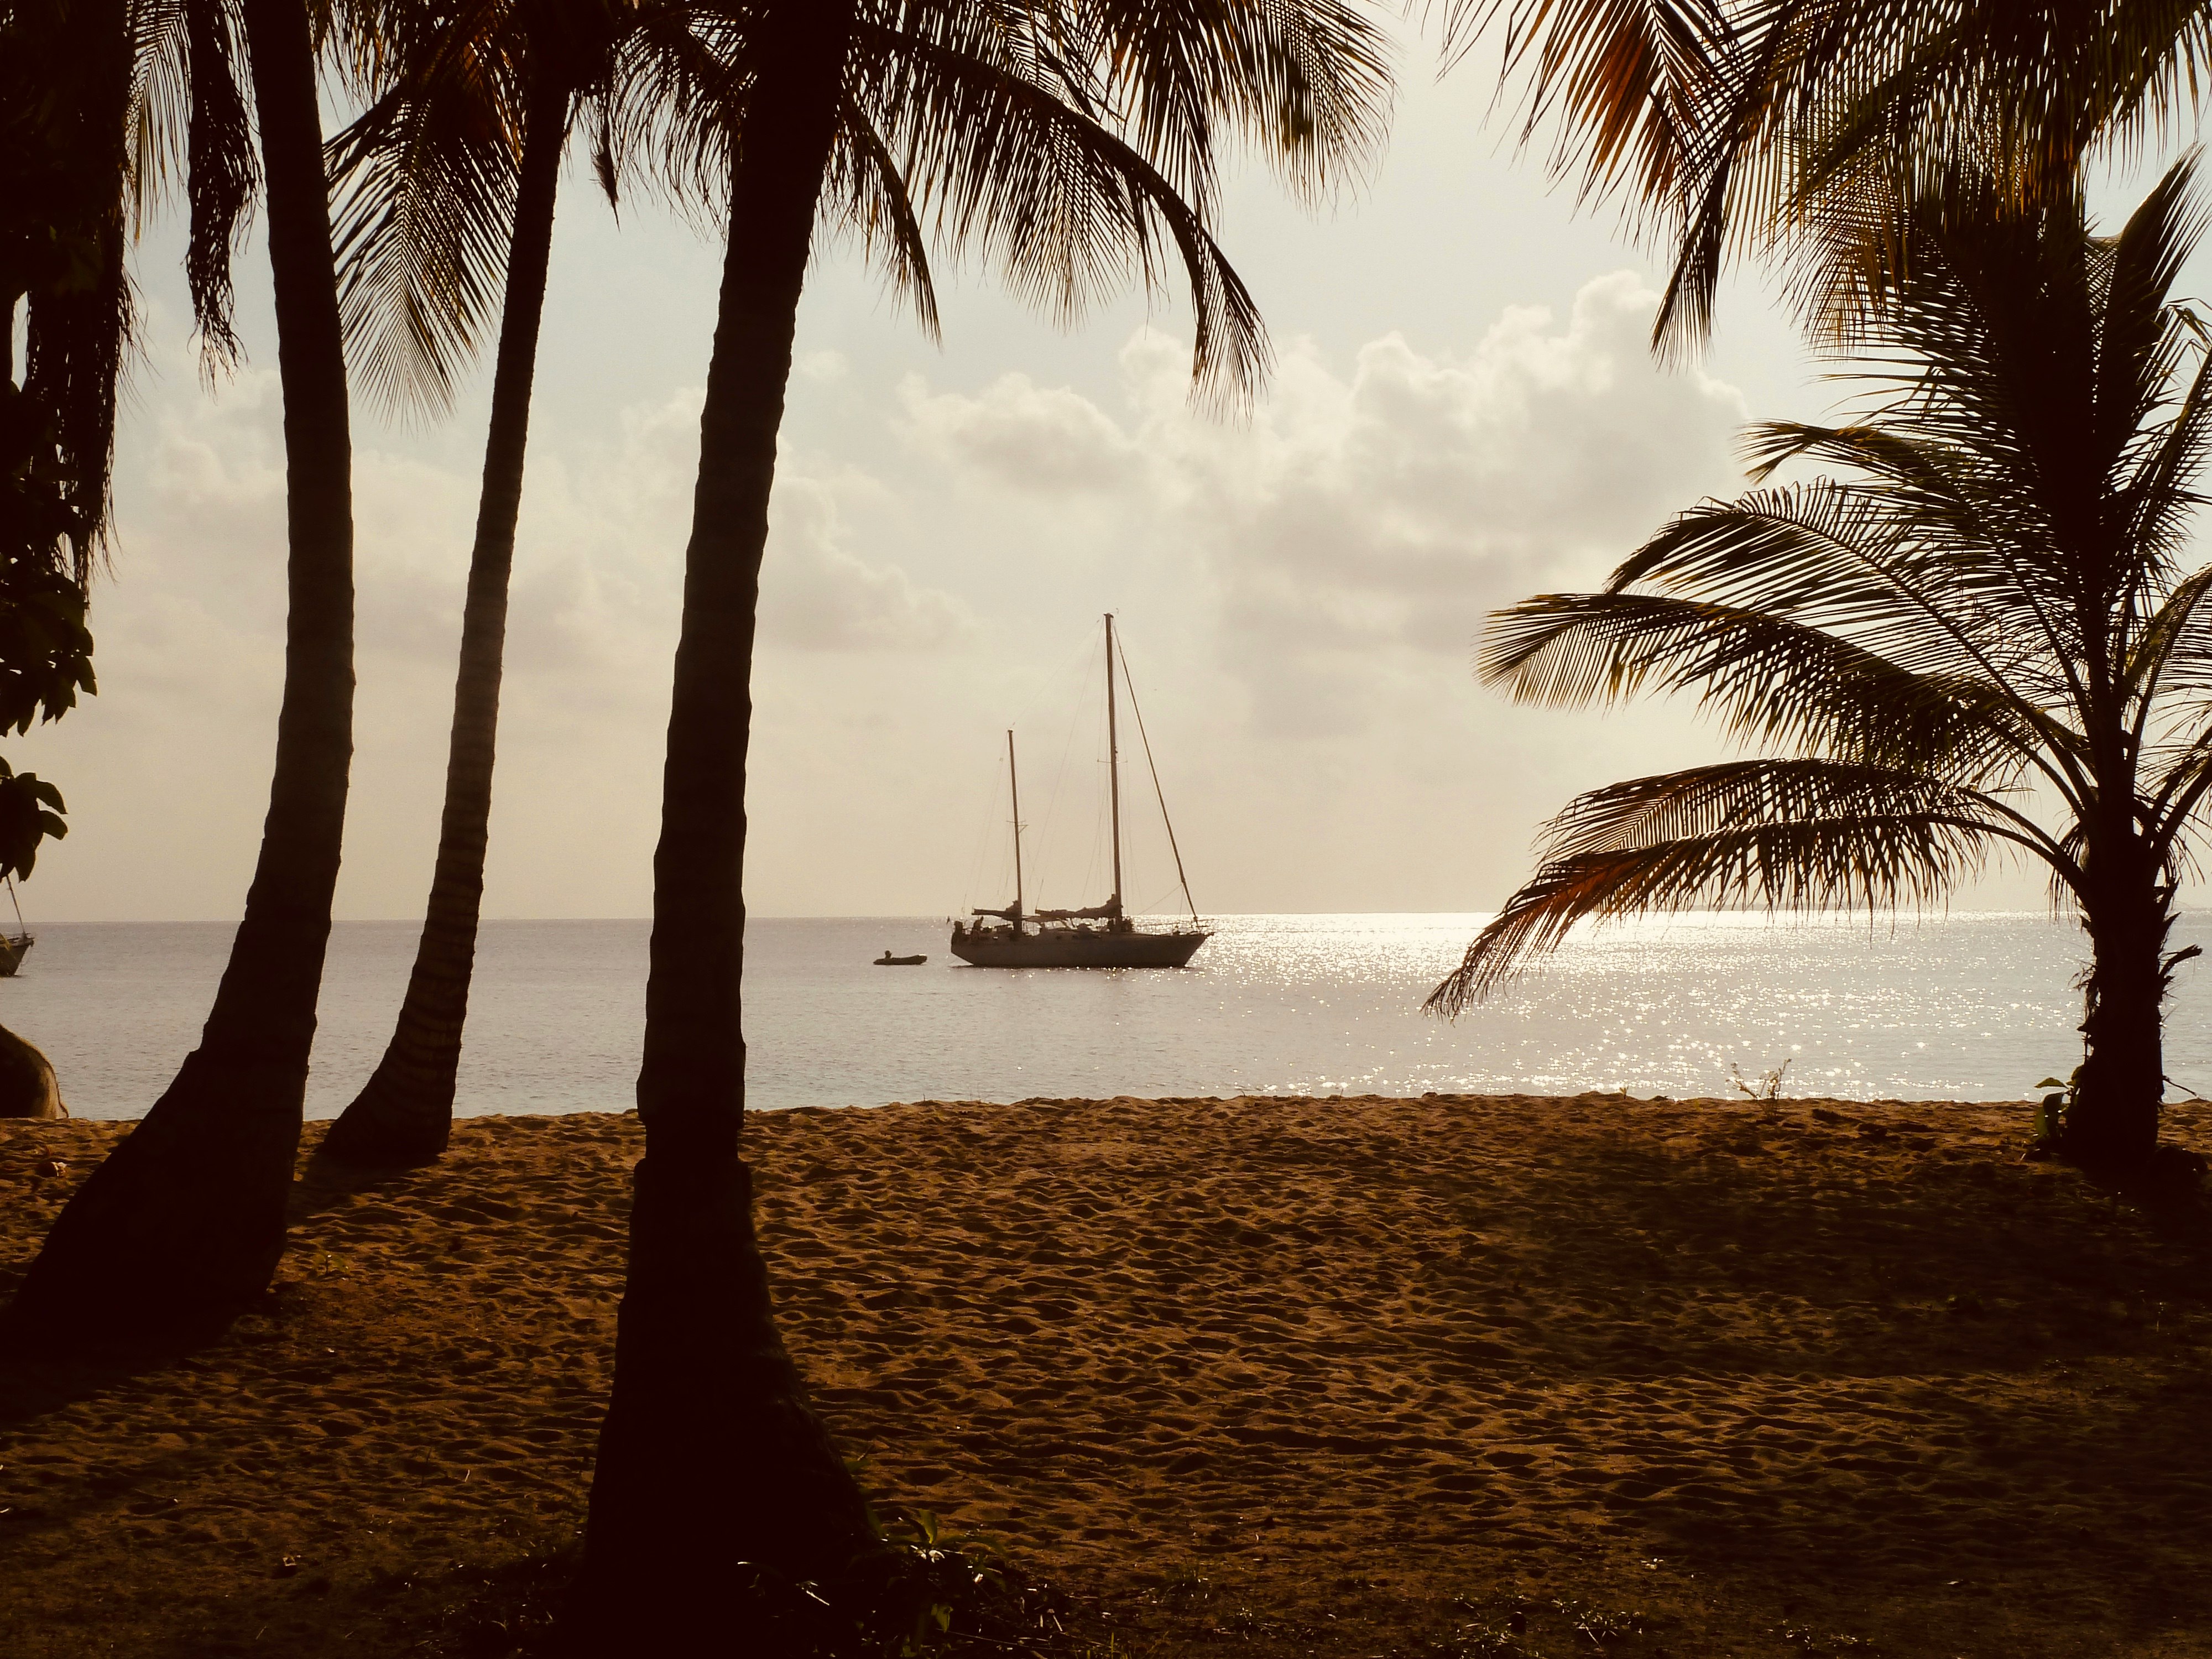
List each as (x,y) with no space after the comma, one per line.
(1455,1376)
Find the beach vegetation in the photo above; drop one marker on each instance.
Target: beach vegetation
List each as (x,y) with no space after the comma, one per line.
(184,1222)
(1769,1086)
(1072,145)
(63,83)
(1980,637)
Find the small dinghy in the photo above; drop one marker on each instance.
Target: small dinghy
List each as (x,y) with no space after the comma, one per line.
(887,960)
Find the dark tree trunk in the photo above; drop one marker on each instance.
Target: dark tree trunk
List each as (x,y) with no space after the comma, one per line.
(711,1458)
(2114,1123)
(185,1221)
(405,1113)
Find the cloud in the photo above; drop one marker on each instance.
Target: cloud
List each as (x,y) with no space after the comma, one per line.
(612,526)
(1049,440)
(816,595)
(1358,519)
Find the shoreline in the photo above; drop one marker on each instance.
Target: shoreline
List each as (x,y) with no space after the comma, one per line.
(1318,1375)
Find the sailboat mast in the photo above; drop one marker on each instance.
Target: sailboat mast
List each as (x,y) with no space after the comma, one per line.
(1113,764)
(1014,788)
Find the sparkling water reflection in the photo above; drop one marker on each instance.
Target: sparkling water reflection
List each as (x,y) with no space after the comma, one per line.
(1974,1006)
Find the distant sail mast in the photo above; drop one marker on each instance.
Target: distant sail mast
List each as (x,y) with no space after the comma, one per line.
(1113,769)
(1014,788)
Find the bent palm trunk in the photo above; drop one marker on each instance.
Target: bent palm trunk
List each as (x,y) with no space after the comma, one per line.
(405,1113)
(710,1458)
(185,1221)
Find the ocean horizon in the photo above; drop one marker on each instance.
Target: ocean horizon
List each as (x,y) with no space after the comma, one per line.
(1969,1006)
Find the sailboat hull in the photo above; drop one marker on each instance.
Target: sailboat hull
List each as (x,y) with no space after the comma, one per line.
(1058,948)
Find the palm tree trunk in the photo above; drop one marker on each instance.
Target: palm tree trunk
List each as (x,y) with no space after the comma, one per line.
(2114,1123)
(185,1221)
(405,1113)
(710,1457)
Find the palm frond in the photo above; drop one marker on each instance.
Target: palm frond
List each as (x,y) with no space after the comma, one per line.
(67,187)
(865,184)
(1309,84)
(1001,166)
(1618,83)
(1841,557)
(1800,836)
(222,176)
(424,183)
(1772,681)
(1733,124)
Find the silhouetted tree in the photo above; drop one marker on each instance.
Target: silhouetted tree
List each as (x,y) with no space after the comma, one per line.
(1984,642)
(1069,142)
(459,160)
(184,1220)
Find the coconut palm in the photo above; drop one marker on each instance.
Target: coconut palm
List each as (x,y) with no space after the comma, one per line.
(1069,140)
(468,141)
(1982,642)
(184,1220)
(1720,122)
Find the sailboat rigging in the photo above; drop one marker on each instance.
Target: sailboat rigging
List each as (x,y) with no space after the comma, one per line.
(1101,935)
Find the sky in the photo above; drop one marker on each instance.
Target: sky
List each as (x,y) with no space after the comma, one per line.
(1464,412)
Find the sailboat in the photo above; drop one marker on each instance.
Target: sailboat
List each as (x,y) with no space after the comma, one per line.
(14,946)
(1101,936)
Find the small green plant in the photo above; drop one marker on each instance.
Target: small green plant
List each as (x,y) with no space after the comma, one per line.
(1769,1082)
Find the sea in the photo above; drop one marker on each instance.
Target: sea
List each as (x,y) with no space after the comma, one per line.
(1977,1007)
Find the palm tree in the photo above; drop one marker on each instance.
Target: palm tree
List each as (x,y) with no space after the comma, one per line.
(184,1220)
(1002,126)
(426,179)
(1720,124)
(1982,643)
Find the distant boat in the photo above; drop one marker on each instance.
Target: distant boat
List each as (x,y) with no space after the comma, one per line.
(1101,936)
(14,946)
(887,960)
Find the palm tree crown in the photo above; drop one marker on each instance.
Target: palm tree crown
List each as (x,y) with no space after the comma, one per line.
(1983,641)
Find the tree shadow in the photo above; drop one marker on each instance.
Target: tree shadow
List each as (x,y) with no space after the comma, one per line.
(31,1384)
(31,1388)
(321,1182)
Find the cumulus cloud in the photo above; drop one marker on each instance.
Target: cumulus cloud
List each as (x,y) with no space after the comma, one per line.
(1051,440)
(1378,513)
(611,527)
(817,594)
